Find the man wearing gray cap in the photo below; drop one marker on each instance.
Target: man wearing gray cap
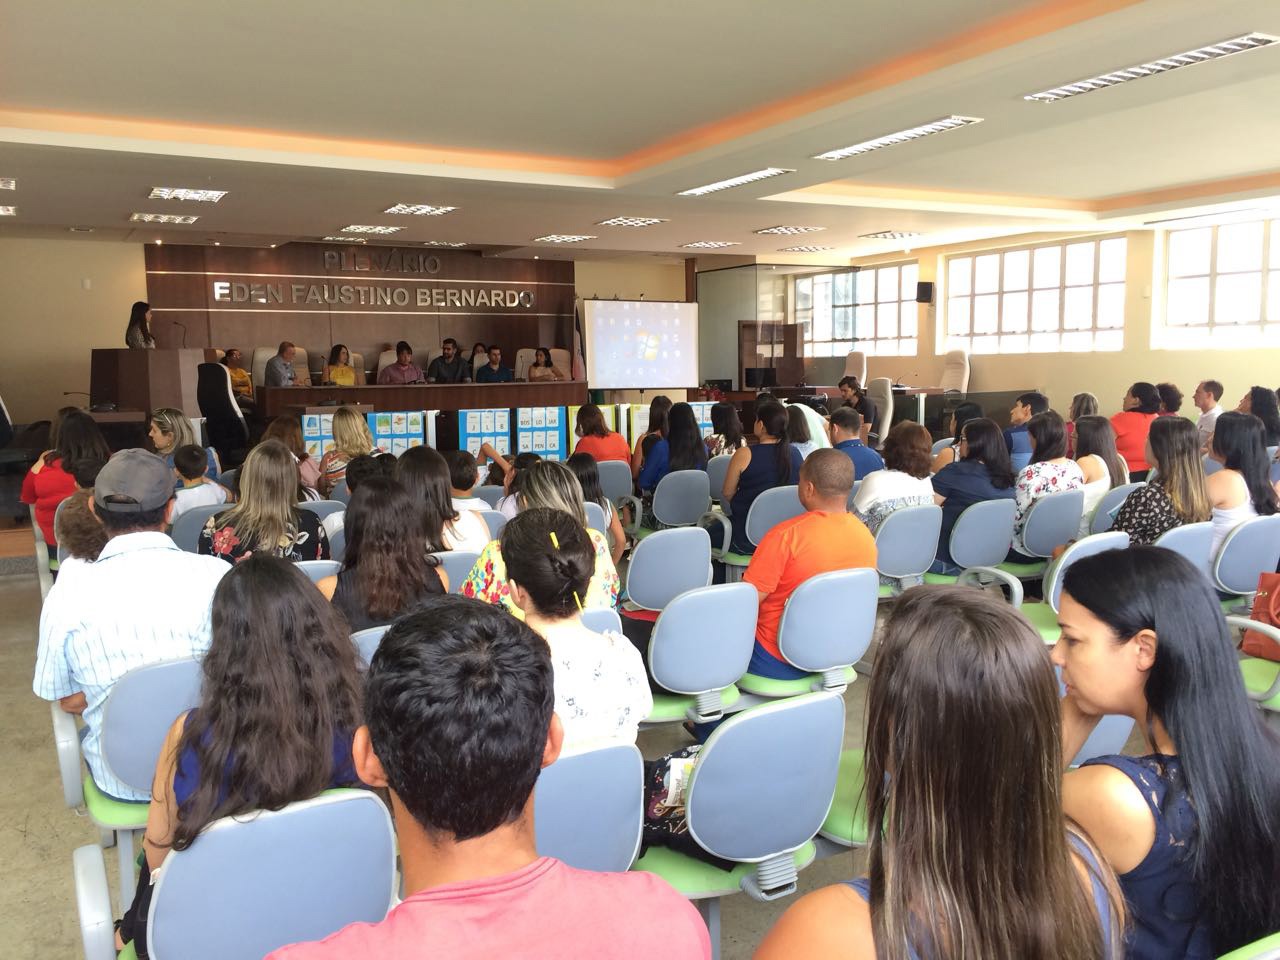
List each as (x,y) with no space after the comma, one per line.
(143,601)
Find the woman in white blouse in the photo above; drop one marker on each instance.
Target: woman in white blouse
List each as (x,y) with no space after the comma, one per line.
(1050,471)
(904,482)
(1100,463)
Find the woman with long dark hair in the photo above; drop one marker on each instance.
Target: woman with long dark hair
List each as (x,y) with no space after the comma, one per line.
(585,469)
(798,434)
(983,472)
(726,430)
(1242,488)
(770,462)
(338,369)
(595,437)
(659,406)
(1050,471)
(963,413)
(681,448)
(1099,461)
(1261,402)
(51,479)
(542,369)
(425,476)
(386,571)
(1132,424)
(279,703)
(1082,405)
(1192,827)
(137,336)
(973,860)
(1177,494)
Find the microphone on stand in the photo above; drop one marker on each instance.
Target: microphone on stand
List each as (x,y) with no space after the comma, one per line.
(183,328)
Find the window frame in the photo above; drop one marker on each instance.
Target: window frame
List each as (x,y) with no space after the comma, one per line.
(853,342)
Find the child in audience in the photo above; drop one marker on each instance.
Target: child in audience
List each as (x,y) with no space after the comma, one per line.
(508,504)
(585,469)
(80,534)
(1050,471)
(1193,827)
(973,860)
(1170,399)
(1242,489)
(1100,462)
(463,477)
(1177,494)
(463,804)
(425,476)
(197,490)
(279,702)
(982,473)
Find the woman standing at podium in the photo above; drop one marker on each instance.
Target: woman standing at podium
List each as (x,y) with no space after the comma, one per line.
(137,336)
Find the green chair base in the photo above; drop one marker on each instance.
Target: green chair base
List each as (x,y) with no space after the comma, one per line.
(1258,950)
(697,880)
(732,559)
(128,953)
(1024,571)
(113,814)
(768,687)
(1239,606)
(847,821)
(939,578)
(1044,619)
(673,707)
(1259,675)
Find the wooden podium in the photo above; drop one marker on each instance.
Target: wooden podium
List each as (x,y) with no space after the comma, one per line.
(146,379)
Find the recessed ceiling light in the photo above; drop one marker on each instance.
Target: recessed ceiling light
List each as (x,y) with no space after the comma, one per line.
(273,246)
(163,218)
(366,228)
(790,230)
(8,183)
(710,244)
(217,243)
(443,243)
(346,240)
(888,235)
(418,209)
(805,248)
(901,136)
(746,178)
(1214,51)
(563,238)
(159,242)
(187,193)
(631,222)
(8,211)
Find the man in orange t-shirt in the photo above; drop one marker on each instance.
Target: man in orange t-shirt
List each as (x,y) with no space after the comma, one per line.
(825,537)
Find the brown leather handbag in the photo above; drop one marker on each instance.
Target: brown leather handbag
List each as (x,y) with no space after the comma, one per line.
(1266,609)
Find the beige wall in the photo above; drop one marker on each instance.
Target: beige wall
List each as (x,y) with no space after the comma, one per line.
(50,321)
(1106,375)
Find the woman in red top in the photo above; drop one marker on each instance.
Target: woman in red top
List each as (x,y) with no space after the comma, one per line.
(75,437)
(1141,405)
(597,439)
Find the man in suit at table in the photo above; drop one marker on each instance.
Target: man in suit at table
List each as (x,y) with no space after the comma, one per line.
(494,371)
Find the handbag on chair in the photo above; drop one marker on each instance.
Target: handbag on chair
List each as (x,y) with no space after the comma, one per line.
(1266,609)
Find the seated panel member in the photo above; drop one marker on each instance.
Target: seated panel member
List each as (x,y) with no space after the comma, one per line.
(279,371)
(494,371)
(241,379)
(450,367)
(543,369)
(474,883)
(404,370)
(338,370)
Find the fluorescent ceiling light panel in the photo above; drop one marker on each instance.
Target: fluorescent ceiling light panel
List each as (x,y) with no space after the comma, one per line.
(163,218)
(888,235)
(805,248)
(710,244)
(443,243)
(787,231)
(8,183)
(563,238)
(418,209)
(746,178)
(631,222)
(8,211)
(346,240)
(366,228)
(1214,51)
(902,136)
(187,193)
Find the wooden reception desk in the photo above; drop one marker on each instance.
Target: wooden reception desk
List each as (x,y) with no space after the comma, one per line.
(274,401)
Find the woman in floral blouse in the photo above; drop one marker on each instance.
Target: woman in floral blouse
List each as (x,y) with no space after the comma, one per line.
(1050,471)
(266,520)
(1178,493)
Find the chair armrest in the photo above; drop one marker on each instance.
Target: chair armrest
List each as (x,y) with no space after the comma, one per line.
(66,740)
(637,513)
(93,903)
(978,576)
(726,532)
(1271,633)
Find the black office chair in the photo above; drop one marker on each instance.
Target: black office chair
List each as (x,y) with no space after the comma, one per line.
(226,426)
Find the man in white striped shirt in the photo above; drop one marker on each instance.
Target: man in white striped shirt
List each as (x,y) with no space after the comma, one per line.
(143,601)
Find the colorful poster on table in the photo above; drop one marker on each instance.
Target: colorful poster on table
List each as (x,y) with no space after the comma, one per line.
(478,427)
(396,431)
(317,433)
(702,411)
(542,430)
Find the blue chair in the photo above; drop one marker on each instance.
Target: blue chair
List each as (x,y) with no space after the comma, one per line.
(679,500)
(1193,541)
(1043,614)
(186,529)
(1107,738)
(457,564)
(495,521)
(615,479)
(940,445)
(596,520)
(696,665)
(1102,518)
(317,570)
(319,865)
(763,784)
(367,641)
(229,478)
(826,628)
(341,492)
(906,544)
(338,544)
(1051,521)
(717,469)
(489,493)
(1019,461)
(322,508)
(1251,549)
(63,552)
(1211,466)
(665,565)
(981,537)
(767,511)
(602,620)
(588,808)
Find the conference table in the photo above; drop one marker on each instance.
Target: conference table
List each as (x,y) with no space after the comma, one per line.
(276,401)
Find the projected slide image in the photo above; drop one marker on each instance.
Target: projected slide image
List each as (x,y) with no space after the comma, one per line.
(637,344)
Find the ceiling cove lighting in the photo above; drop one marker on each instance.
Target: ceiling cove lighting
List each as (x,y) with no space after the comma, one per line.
(443,243)
(1214,51)
(888,235)
(788,231)
(163,218)
(345,240)
(8,183)
(186,193)
(902,136)
(746,178)
(563,238)
(709,244)
(631,222)
(8,211)
(418,210)
(805,248)
(366,228)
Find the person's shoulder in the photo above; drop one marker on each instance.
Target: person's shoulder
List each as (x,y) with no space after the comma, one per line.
(641,902)
(833,921)
(1111,808)
(369,939)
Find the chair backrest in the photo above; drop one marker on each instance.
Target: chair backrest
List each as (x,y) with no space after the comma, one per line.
(385,359)
(562,361)
(322,508)
(495,520)
(317,570)
(228,431)
(686,657)
(770,509)
(140,708)
(1087,547)
(667,563)
(940,445)
(1249,550)
(524,360)
(983,533)
(1193,541)
(717,468)
(258,368)
(367,641)
(319,865)
(681,497)
(341,492)
(615,478)
(186,529)
(596,519)
(490,493)
(880,390)
(1052,521)
(357,364)
(1113,498)
(766,777)
(63,552)
(588,808)
(338,544)
(457,564)
(907,541)
(602,620)
(1211,466)
(829,620)
(1018,461)
(855,365)
(229,478)
(955,372)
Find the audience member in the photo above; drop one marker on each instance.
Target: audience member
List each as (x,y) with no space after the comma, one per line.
(726,431)
(266,520)
(386,570)
(1082,405)
(141,602)
(171,429)
(425,476)
(463,477)
(81,536)
(846,436)
(680,448)
(386,463)
(197,490)
(962,414)
(595,437)
(904,482)
(1177,494)
(288,430)
(1016,440)
(602,687)
(1242,488)
(550,484)
(542,369)
(339,370)
(584,468)
(241,379)
(1050,471)
(1192,827)
(770,462)
(351,438)
(279,371)
(75,437)
(798,431)
(824,538)
(450,366)
(1170,399)
(404,370)
(983,472)
(1100,462)
(957,825)
(1206,397)
(359,469)
(659,406)
(511,471)
(1141,404)
(1261,402)
(815,421)
(855,397)
(494,371)
(474,884)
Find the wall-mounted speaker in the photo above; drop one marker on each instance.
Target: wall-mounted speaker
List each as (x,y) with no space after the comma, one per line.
(924,291)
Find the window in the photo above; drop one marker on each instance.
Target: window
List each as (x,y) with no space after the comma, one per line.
(1043,299)
(1223,287)
(873,310)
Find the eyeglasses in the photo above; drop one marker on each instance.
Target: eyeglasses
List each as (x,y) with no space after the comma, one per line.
(963,438)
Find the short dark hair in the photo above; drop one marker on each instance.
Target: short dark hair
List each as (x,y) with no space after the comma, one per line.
(851,383)
(1038,402)
(116,522)
(1147,395)
(402,347)
(449,340)
(1214,387)
(830,472)
(284,345)
(1050,436)
(493,347)
(360,469)
(463,474)
(386,463)
(556,571)
(86,472)
(458,702)
(1170,397)
(191,461)
(847,419)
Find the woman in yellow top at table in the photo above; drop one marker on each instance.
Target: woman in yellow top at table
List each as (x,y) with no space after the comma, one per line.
(339,370)
(543,368)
